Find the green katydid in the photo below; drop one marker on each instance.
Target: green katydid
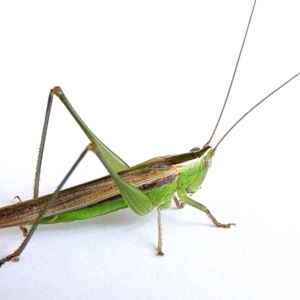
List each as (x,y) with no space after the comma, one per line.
(141,188)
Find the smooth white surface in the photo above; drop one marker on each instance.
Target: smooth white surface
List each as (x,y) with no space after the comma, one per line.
(149,80)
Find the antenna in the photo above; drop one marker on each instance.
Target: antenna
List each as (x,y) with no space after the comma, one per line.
(232,79)
(260,102)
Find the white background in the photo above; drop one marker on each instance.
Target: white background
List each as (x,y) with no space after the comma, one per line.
(150,79)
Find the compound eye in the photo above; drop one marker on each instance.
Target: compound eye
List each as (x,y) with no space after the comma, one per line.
(208,162)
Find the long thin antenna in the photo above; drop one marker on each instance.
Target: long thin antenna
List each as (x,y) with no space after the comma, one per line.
(232,79)
(260,102)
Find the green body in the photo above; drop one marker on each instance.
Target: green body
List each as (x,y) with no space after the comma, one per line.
(151,184)
(159,179)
